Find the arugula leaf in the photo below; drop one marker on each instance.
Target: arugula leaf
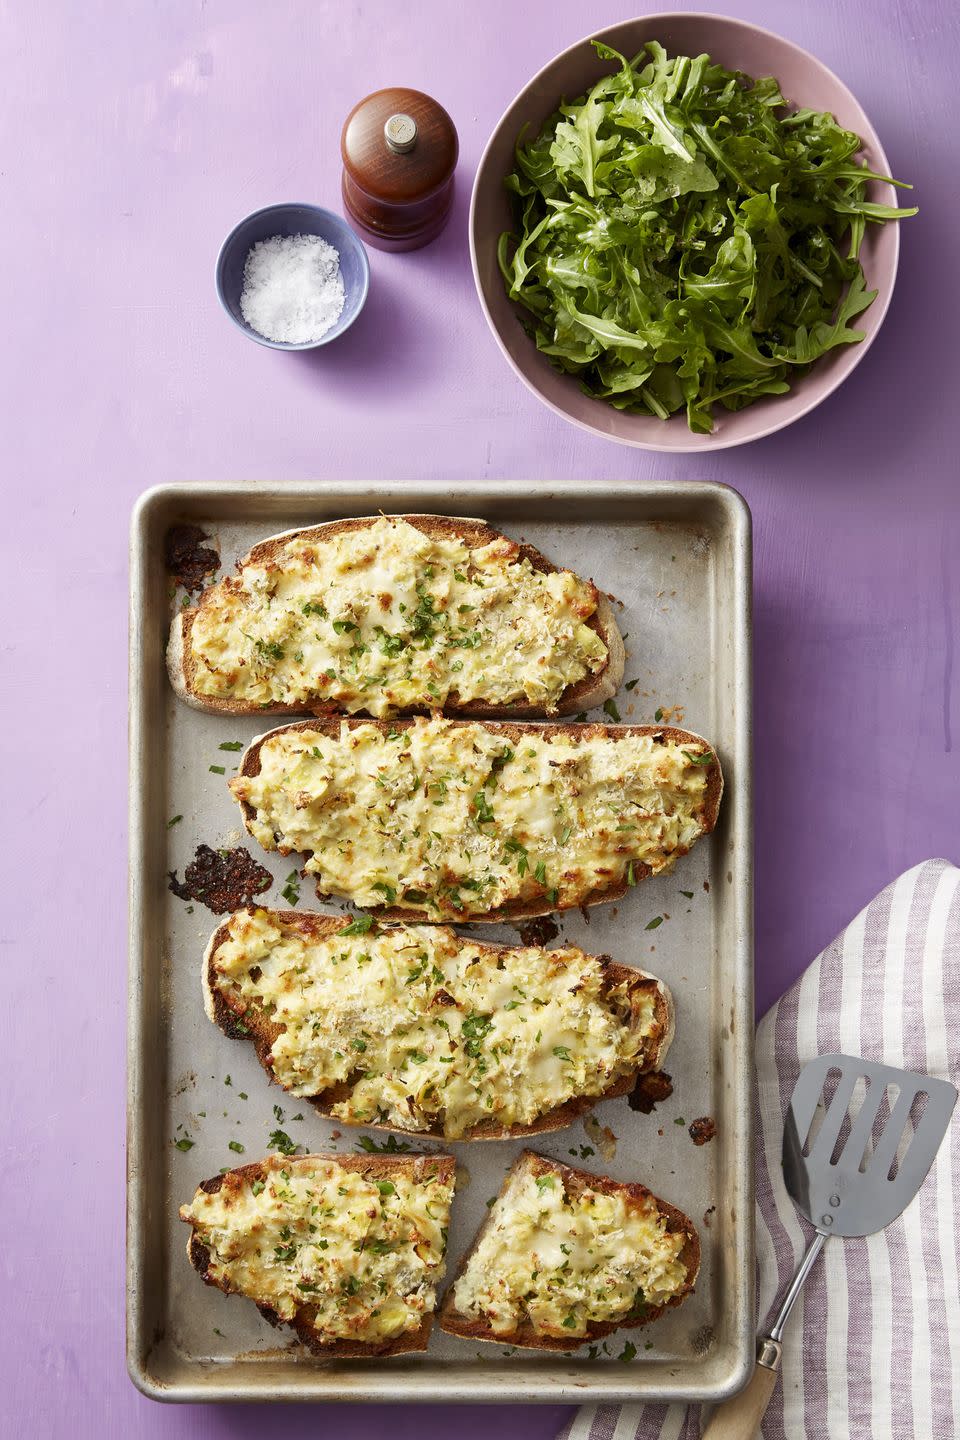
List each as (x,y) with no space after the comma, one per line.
(682,242)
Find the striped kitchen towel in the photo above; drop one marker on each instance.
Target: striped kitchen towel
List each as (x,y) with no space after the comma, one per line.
(872,1349)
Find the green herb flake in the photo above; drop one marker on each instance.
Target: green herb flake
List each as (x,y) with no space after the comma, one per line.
(390,1146)
(174,821)
(628,1352)
(610,708)
(231,745)
(360,926)
(699,757)
(658,714)
(280,1140)
(184,1143)
(217,769)
(236,1146)
(655,923)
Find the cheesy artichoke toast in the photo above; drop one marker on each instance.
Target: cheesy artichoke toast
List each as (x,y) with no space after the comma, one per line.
(448,820)
(346,1250)
(416,1029)
(565,1256)
(392,615)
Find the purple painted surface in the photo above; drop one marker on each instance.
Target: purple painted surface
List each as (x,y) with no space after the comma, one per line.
(134,137)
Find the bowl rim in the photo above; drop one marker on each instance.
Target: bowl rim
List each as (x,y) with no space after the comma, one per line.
(277,208)
(692,443)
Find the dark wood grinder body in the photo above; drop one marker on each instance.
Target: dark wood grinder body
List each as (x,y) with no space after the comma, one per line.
(399,150)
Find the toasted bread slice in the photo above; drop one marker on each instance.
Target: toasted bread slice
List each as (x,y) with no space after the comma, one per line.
(565,1257)
(347,1250)
(416,1029)
(371,616)
(455,819)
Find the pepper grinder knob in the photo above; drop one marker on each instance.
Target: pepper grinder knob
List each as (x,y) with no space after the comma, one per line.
(400,133)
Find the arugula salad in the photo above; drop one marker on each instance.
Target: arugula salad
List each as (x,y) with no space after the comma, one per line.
(683,241)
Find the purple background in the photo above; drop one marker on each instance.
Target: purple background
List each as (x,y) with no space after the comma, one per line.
(133,138)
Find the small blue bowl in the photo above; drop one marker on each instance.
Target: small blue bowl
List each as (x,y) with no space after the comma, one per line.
(293,220)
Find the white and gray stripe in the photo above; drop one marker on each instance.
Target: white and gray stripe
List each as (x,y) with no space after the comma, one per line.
(882,1360)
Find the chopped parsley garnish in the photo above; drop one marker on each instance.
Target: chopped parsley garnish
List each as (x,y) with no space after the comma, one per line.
(231,745)
(280,1140)
(270,649)
(184,1143)
(314,607)
(654,923)
(688,894)
(291,890)
(473,1032)
(632,684)
(390,1146)
(358,1044)
(699,757)
(175,821)
(484,814)
(360,926)
(345,627)
(631,877)
(610,708)
(562,1053)
(258,1186)
(217,769)
(628,1352)
(386,1187)
(236,1146)
(387,891)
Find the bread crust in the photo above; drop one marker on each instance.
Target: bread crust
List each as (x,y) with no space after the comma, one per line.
(371,1166)
(510,730)
(586,694)
(262,1032)
(576,1182)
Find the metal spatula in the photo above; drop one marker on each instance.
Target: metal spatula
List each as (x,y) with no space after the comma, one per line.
(858,1142)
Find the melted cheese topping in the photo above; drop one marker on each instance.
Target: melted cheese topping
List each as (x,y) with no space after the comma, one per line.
(364,1254)
(450,820)
(384,619)
(430,1031)
(564,1262)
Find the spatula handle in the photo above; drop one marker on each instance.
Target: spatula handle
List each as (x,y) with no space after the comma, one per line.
(739,1418)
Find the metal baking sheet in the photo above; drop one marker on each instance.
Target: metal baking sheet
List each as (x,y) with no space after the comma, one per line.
(678,558)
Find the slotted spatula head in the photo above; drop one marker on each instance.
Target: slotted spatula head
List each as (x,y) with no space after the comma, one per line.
(859,1139)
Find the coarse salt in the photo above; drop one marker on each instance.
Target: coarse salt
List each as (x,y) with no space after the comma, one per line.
(292,288)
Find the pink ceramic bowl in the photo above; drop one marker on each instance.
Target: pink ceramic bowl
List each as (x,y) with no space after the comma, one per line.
(805,83)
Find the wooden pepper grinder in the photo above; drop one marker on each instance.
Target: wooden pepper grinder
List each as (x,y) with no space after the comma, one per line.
(399,150)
